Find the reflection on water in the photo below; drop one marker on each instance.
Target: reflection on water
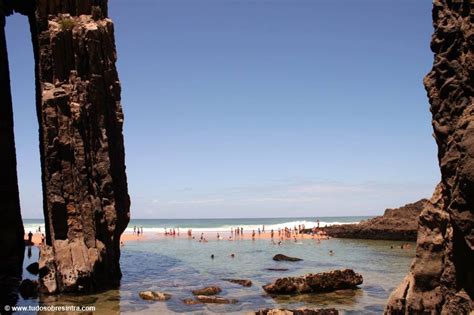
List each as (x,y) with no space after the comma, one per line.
(180,266)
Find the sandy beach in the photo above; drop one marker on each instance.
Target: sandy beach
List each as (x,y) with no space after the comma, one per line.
(209,236)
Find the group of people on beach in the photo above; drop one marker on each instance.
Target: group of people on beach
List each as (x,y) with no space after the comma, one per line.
(138,230)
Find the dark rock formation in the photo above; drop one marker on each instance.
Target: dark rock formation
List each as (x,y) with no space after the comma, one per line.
(33,268)
(85,196)
(441,279)
(215,299)
(207,291)
(29,289)
(395,224)
(324,311)
(277,269)
(154,296)
(242,282)
(281,257)
(314,283)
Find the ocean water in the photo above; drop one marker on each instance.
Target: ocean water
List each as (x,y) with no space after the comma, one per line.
(218,225)
(179,265)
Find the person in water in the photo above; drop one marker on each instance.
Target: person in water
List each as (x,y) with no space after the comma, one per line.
(30,238)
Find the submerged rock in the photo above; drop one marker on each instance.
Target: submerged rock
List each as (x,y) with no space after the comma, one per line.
(281,257)
(323,311)
(313,283)
(29,289)
(207,291)
(154,295)
(242,282)
(191,302)
(277,269)
(215,299)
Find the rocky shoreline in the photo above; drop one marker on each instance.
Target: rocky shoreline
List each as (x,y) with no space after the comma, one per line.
(399,224)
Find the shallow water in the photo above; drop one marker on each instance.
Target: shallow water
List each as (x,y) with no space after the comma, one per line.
(177,266)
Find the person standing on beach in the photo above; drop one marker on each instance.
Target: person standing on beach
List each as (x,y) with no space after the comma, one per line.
(263,228)
(271,233)
(253,235)
(258,231)
(134,229)
(242,230)
(30,238)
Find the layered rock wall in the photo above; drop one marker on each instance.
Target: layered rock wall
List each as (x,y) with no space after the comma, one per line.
(80,116)
(441,279)
(395,224)
(85,197)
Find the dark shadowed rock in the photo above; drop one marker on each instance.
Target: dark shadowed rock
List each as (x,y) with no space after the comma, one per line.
(313,283)
(242,282)
(33,268)
(29,289)
(281,257)
(215,299)
(302,311)
(441,279)
(395,224)
(277,269)
(207,291)
(154,296)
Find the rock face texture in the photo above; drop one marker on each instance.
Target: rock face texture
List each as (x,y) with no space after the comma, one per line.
(84,181)
(314,283)
(395,224)
(441,279)
(85,196)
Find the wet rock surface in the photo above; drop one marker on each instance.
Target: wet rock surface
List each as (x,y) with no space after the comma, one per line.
(215,299)
(314,283)
(207,291)
(242,282)
(396,224)
(281,257)
(441,279)
(29,289)
(154,296)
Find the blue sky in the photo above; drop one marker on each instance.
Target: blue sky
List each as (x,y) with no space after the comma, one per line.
(256,108)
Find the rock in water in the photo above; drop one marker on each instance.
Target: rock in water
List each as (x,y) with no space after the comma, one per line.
(395,224)
(314,283)
(242,282)
(154,296)
(207,291)
(303,311)
(281,257)
(81,143)
(441,279)
(215,299)
(191,302)
(33,268)
(29,289)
